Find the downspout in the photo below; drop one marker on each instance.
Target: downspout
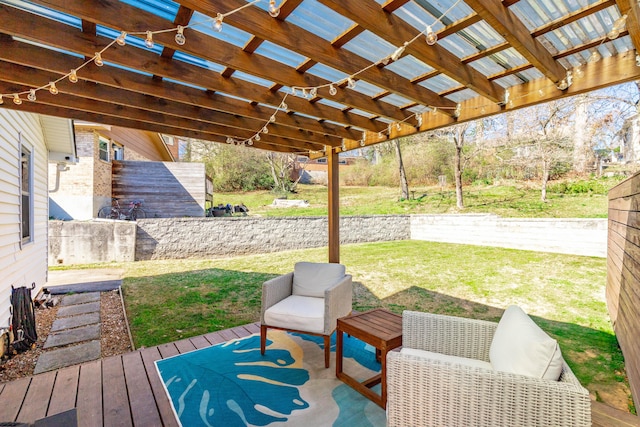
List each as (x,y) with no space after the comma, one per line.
(60,167)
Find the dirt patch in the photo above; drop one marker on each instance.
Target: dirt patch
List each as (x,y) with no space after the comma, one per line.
(114,338)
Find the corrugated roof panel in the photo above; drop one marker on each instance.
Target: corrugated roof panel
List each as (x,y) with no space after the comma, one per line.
(458,46)
(187,84)
(463,95)
(481,35)
(362,113)
(319,20)
(370,46)
(331,103)
(447,11)
(46,12)
(252,79)
(44,46)
(487,66)
(439,83)
(194,60)
(396,100)
(409,67)
(508,81)
(166,9)
(280,54)
(229,33)
(367,88)
(417,17)
(327,73)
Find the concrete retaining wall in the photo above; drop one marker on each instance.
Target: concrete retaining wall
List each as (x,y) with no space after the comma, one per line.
(76,242)
(84,242)
(175,238)
(560,235)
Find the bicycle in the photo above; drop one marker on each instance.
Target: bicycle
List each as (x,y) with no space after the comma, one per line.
(133,213)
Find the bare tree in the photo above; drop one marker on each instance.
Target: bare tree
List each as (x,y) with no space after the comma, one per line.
(404,185)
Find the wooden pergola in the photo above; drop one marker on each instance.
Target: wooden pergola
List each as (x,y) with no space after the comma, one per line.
(315,77)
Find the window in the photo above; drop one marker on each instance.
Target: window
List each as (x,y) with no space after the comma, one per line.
(26,197)
(118,151)
(104,149)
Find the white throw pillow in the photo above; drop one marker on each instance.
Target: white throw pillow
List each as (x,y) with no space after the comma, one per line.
(519,346)
(310,279)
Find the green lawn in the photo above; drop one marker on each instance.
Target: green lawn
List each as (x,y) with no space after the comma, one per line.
(170,300)
(505,200)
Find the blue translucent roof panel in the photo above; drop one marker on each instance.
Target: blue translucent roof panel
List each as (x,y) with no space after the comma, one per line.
(319,20)
(446,11)
(194,60)
(409,67)
(331,103)
(362,113)
(185,84)
(166,9)
(439,83)
(480,35)
(367,88)
(46,12)
(508,81)
(396,100)
(131,40)
(280,54)
(535,13)
(44,46)
(370,46)
(229,33)
(458,46)
(327,73)
(252,79)
(487,66)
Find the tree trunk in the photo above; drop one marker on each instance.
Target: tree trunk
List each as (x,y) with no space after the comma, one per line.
(545,179)
(580,149)
(459,142)
(404,185)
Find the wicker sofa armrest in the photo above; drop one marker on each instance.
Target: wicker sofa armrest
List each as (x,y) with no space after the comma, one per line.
(455,336)
(337,302)
(274,291)
(426,392)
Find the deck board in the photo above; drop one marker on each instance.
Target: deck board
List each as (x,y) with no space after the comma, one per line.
(130,391)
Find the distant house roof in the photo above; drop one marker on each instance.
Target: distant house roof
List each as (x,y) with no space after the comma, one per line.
(59,138)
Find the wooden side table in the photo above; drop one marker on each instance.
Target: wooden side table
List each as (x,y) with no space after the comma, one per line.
(379,328)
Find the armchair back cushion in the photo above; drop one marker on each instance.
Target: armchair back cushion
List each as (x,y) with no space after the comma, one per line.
(519,346)
(311,279)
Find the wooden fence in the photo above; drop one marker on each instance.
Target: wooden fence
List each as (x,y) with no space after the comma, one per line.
(623,274)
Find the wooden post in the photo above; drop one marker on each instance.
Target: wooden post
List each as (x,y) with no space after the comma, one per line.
(333,182)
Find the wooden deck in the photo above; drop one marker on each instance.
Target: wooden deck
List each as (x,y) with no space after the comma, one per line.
(126,390)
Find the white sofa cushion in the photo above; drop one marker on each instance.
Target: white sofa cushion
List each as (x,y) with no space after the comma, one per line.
(297,312)
(455,360)
(312,279)
(519,346)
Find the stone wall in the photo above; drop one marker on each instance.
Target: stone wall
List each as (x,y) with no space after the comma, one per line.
(222,237)
(85,242)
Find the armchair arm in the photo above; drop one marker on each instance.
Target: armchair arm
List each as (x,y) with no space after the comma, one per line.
(426,392)
(274,291)
(455,336)
(337,303)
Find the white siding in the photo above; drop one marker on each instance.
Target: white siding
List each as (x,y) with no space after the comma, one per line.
(26,265)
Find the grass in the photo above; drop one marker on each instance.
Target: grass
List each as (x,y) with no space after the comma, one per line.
(170,300)
(505,200)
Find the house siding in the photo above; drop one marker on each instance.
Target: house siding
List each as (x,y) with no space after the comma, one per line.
(21,266)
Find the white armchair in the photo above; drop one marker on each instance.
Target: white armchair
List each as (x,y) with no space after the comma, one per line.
(309,300)
(451,373)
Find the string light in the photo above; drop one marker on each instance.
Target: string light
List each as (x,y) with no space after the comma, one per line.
(148,42)
(398,52)
(52,88)
(431,36)
(16,99)
(180,38)
(274,10)
(617,27)
(32,95)
(457,111)
(121,39)
(73,76)
(217,24)
(351,83)
(332,90)
(97,59)
(1,100)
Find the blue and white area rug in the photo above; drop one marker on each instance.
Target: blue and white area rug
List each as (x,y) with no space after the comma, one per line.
(232,384)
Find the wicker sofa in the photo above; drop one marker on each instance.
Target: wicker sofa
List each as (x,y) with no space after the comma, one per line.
(441,391)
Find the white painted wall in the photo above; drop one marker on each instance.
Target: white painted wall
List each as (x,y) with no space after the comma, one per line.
(575,236)
(26,265)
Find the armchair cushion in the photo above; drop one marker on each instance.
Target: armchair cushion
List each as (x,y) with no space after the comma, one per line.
(312,279)
(445,358)
(519,346)
(298,313)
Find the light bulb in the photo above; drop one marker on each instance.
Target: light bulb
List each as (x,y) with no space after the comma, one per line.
(98,60)
(304,93)
(265,130)
(332,90)
(617,27)
(257,137)
(562,85)
(217,24)
(351,83)
(294,91)
(313,92)
(398,127)
(398,52)
(272,119)
(52,88)
(637,60)
(180,38)
(121,38)
(16,99)
(343,147)
(506,97)
(148,42)
(32,95)
(541,93)
(613,33)
(250,141)
(1,100)
(431,36)
(362,142)
(273,9)
(229,140)
(73,76)
(594,57)
(284,106)
(578,72)
(457,111)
